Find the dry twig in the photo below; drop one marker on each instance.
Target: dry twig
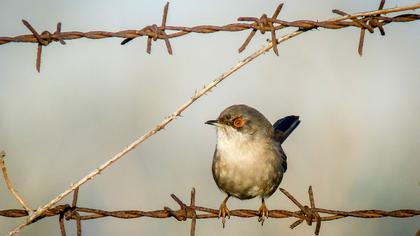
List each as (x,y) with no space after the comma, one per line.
(9,184)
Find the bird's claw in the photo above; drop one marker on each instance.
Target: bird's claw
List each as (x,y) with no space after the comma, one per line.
(223,212)
(262,213)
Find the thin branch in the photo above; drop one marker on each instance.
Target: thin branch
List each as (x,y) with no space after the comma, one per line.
(9,184)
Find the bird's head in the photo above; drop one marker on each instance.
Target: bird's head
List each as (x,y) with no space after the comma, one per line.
(242,119)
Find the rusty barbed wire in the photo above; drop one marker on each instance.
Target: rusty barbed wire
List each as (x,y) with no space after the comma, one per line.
(306,213)
(365,20)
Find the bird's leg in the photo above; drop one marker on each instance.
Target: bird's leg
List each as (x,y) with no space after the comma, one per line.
(224,211)
(262,212)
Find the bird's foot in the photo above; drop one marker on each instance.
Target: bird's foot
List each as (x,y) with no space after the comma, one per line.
(262,213)
(223,212)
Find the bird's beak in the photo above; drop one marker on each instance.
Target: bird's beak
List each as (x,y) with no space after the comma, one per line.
(212,122)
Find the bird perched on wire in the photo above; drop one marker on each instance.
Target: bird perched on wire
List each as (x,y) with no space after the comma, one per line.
(249,160)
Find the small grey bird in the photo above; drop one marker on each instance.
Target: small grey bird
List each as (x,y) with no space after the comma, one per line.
(249,160)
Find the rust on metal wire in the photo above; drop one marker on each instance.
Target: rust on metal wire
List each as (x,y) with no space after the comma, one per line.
(156,33)
(309,214)
(44,39)
(365,21)
(262,24)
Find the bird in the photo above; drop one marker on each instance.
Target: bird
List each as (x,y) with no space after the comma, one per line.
(248,160)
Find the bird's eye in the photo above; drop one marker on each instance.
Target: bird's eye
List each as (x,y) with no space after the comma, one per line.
(238,122)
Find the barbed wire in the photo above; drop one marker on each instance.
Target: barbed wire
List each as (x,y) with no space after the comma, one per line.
(372,19)
(310,214)
(365,21)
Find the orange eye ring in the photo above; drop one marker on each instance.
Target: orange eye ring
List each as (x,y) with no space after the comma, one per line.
(238,122)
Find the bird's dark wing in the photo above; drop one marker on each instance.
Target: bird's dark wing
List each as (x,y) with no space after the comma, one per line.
(284,163)
(284,127)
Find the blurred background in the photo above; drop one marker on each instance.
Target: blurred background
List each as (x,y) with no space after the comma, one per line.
(358,144)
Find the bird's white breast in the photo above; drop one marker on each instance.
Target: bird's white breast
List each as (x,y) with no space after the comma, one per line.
(246,166)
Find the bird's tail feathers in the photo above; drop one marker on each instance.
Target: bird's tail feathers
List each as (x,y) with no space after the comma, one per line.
(285,126)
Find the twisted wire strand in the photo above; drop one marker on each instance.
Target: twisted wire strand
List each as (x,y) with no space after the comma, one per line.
(194,212)
(364,20)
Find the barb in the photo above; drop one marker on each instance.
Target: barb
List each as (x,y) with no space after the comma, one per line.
(43,40)
(262,23)
(194,214)
(309,213)
(157,32)
(371,22)
(185,212)
(364,20)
